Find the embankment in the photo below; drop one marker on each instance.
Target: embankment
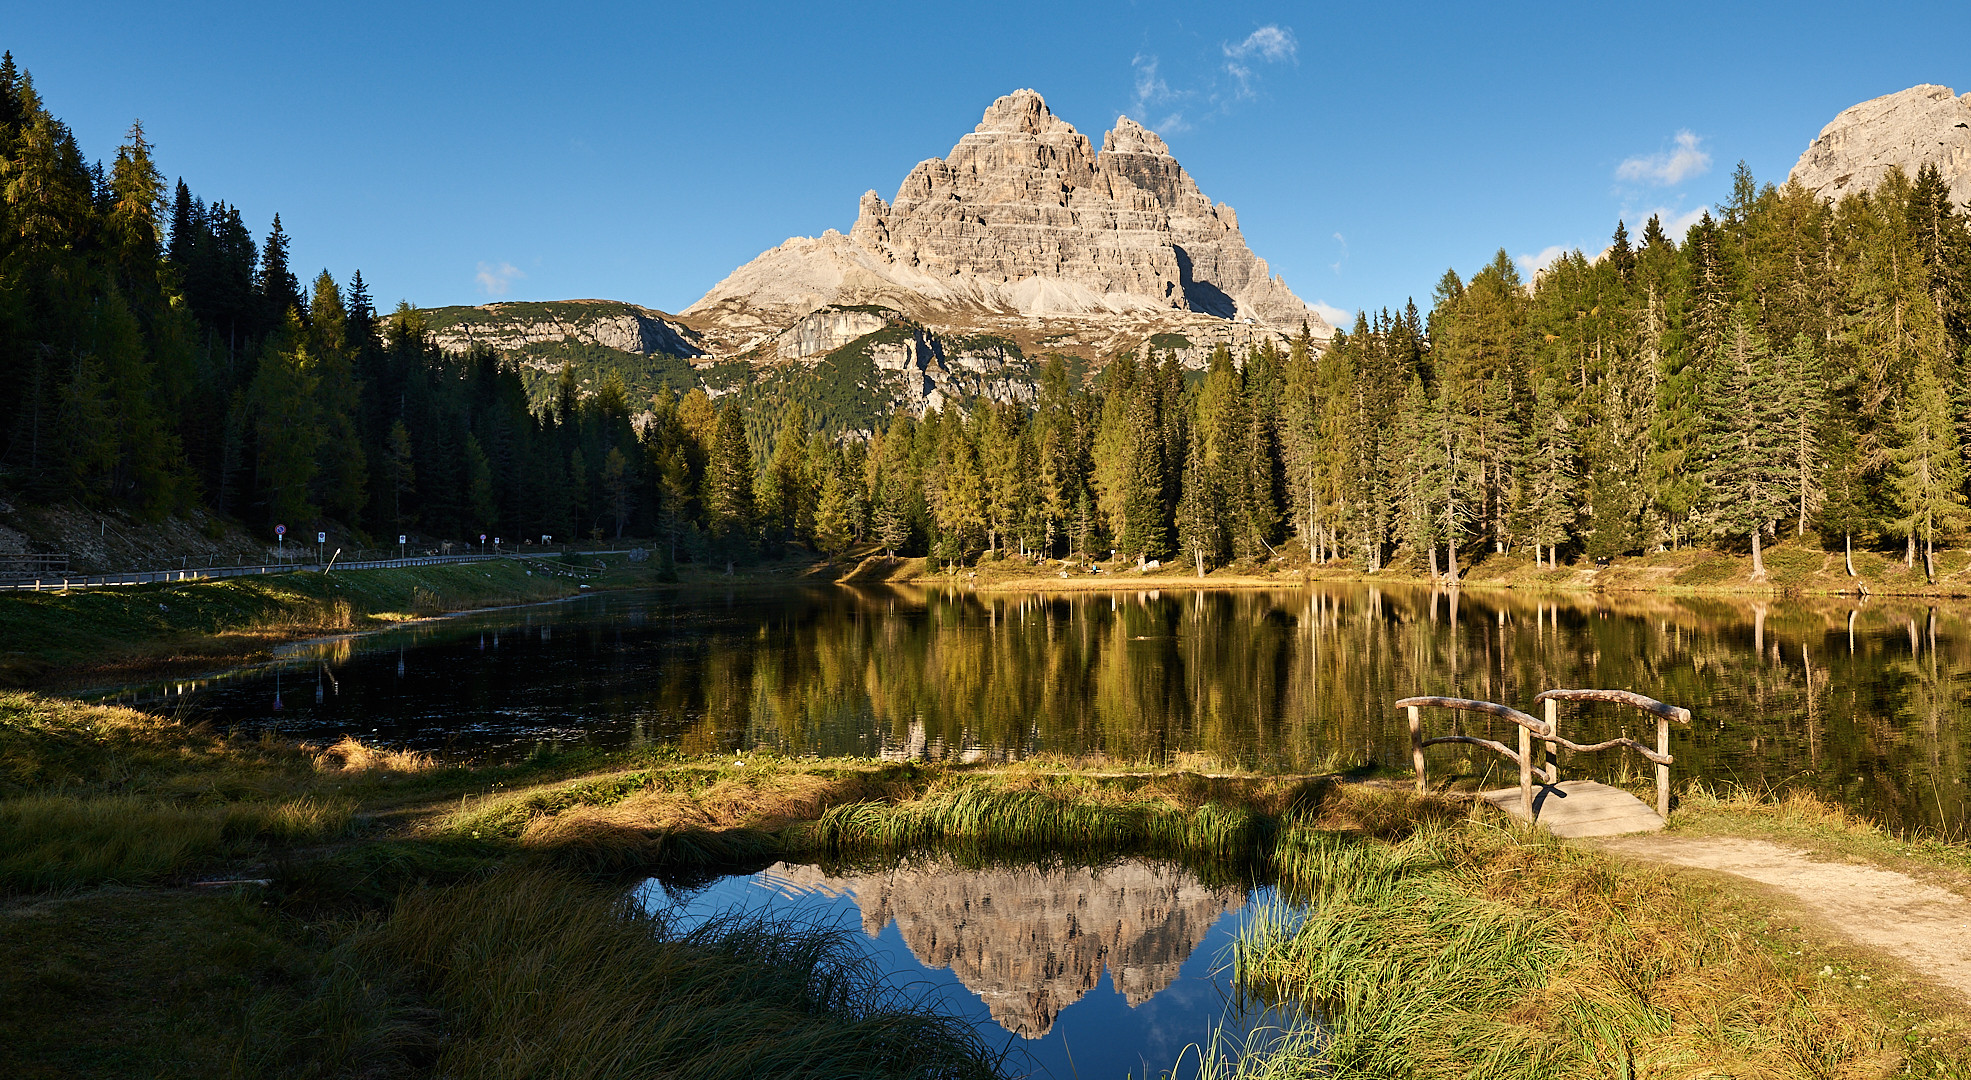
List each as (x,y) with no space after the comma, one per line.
(1792,569)
(57,636)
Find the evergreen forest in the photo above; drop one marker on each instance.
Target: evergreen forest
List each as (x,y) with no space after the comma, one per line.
(1790,368)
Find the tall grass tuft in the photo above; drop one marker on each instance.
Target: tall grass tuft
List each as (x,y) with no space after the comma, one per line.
(982,820)
(50,841)
(1464,950)
(541,975)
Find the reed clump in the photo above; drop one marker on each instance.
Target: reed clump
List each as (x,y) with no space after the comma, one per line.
(538,974)
(983,820)
(1470,950)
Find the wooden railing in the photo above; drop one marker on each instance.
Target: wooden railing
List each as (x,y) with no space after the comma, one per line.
(1547,730)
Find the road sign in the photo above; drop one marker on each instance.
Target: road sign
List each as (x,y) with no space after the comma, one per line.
(280,530)
(321,538)
(403,539)
(482,538)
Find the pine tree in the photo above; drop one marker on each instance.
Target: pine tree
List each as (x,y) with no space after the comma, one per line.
(1802,408)
(276,288)
(1749,472)
(729,485)
(1928,468)
(1199,534)
(1552,497)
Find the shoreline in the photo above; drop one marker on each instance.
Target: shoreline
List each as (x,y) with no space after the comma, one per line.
(1791,571)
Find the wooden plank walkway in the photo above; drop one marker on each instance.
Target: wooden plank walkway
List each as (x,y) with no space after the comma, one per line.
(1580,808)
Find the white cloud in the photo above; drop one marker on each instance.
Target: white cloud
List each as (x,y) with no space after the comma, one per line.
(1534,264)
(1675,222)
(1336,317)
(496,280)
(1151,89)
(1668,167)
(1269,42)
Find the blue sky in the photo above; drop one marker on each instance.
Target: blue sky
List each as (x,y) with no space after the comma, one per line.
(464,153)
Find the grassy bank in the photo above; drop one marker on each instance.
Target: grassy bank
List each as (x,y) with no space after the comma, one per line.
(430,919)
(1792,568)
(96,632)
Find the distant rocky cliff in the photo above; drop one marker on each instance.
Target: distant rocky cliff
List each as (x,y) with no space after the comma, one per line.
(1907,128)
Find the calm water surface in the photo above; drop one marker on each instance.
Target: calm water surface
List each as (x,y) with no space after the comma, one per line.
(1864,703)
(1071,971)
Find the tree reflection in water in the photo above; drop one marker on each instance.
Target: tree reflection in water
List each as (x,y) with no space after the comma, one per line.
(1861,703)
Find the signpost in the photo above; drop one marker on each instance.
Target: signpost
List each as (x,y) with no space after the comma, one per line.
(401,541)
(321,538)
(280,539)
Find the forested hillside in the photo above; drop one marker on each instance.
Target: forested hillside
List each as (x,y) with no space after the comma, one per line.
(1793,367)
(154,357)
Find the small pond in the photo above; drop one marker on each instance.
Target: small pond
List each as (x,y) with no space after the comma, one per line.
(1074,972)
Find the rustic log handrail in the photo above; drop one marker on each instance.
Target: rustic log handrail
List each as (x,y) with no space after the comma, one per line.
(1550,700)
(1548,731)
(1619,697)
(1528,725)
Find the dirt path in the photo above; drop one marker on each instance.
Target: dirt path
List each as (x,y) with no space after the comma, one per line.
(1925,927)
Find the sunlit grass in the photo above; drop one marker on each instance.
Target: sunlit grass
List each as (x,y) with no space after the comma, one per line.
(1469,950)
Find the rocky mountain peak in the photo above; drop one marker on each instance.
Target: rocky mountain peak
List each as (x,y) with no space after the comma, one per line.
(1023,220)
(1130,137)
(1923,124)
(1021,112)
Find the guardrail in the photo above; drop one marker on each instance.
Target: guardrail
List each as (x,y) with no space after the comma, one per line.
(150,577)
(1547,730)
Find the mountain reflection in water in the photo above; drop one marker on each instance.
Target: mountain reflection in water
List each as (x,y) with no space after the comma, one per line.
(1029,941)
(1031,944)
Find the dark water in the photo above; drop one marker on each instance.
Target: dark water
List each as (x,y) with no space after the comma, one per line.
(1070,971)
(1865,704)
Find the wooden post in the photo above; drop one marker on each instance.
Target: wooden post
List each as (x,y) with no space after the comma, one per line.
(1525,770)
(1417,744)
(1553,748)
(1663,770)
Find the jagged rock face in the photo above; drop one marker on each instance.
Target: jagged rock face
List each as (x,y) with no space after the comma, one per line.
(1031,942)
(1907,128)
(1024,217)
(827,329)
(509,328)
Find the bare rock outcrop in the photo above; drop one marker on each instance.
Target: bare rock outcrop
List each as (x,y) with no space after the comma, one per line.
(510,327)
(1030,942)
(1907,128)
(1024,217)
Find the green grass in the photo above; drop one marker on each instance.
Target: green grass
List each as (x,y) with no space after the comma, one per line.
(540,975)
(983,821)
(55,841)
(1467,950)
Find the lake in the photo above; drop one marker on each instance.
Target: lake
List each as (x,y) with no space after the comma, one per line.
(1862,702)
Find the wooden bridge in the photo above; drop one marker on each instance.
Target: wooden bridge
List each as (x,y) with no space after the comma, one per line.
(1567,808)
